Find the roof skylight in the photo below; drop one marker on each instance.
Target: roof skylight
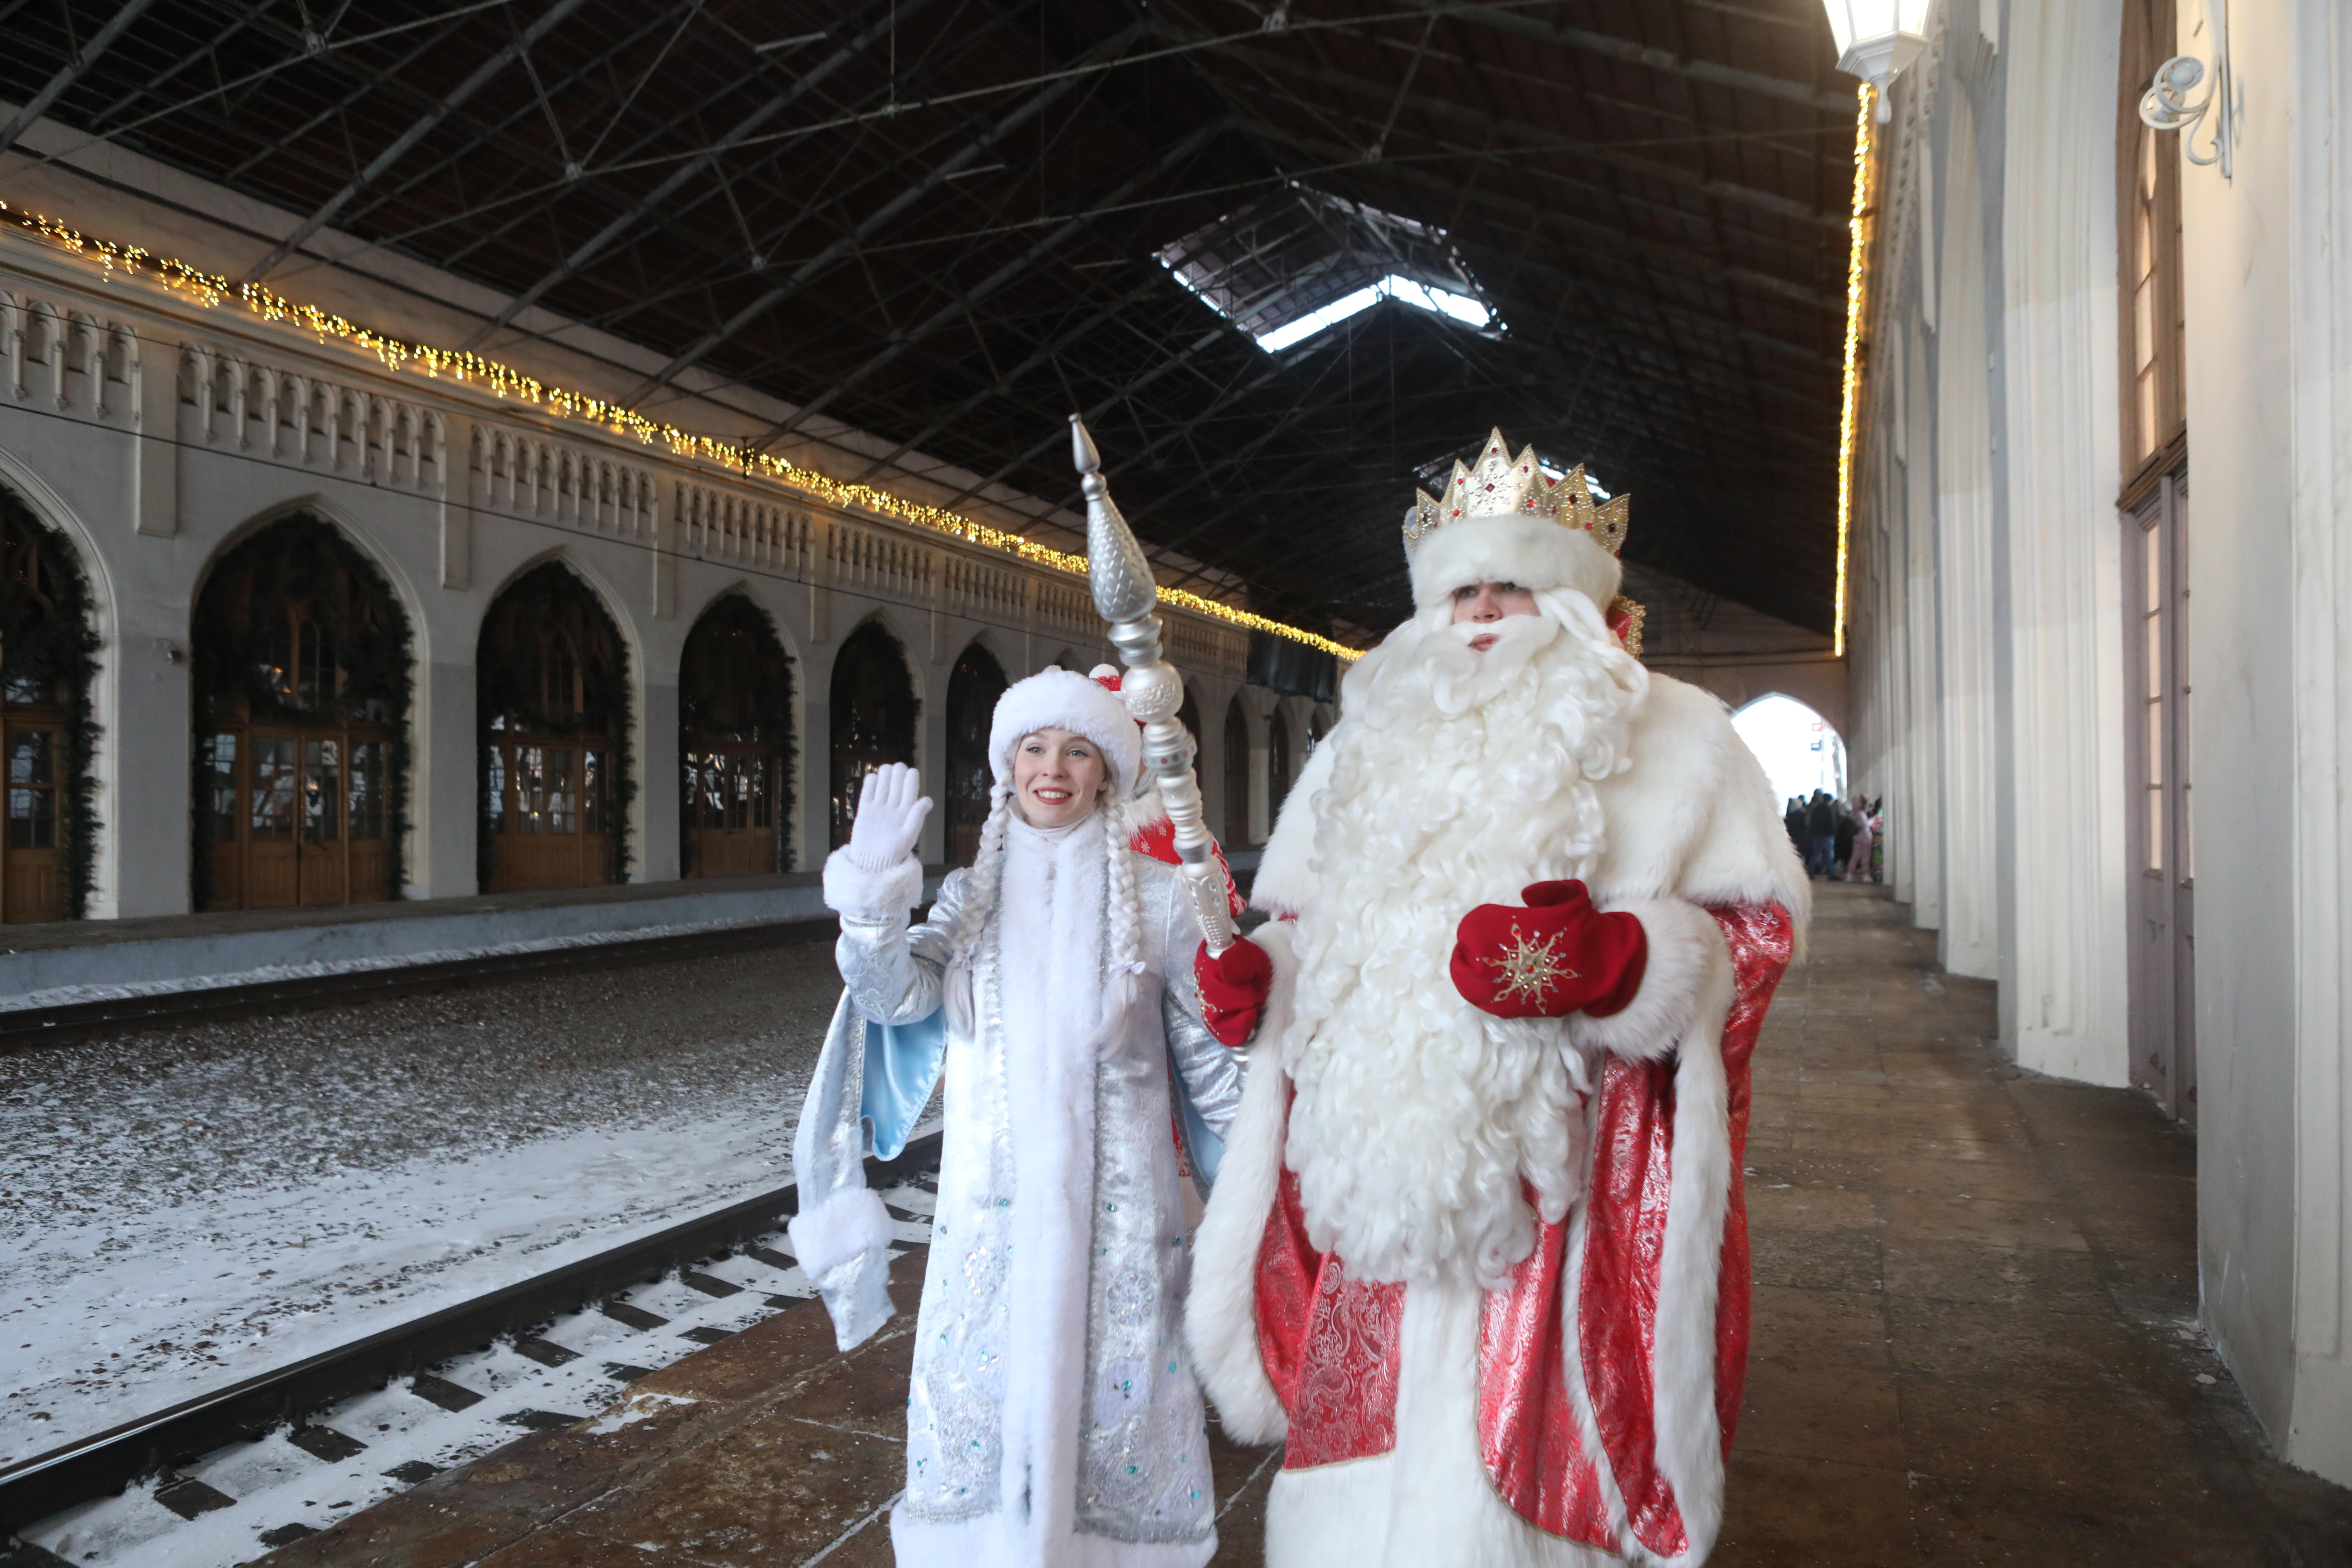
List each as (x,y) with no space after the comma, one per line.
(1284,268)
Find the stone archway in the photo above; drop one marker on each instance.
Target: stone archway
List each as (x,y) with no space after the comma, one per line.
(303,677)
(1801,751)
(734,744)
(47,733)
(874,713)
(552,699)
(973,687)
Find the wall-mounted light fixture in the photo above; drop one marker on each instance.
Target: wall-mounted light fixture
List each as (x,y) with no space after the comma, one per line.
(2165,105)
(1877,39)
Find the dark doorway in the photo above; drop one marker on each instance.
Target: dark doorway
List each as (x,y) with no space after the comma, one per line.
(552,684)
(1278,761)
(302,683)
(735,744)
(874,711)
(1237,775)
(46,646)
(973,690)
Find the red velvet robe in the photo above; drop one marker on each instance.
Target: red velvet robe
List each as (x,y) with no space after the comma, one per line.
(1332,1344)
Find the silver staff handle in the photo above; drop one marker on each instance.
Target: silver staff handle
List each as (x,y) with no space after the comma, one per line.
(1127,597)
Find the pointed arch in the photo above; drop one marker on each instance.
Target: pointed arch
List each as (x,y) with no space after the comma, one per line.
(874,713)
(973,687)
(303,672)
(48,732)
(554,703)
(735,742)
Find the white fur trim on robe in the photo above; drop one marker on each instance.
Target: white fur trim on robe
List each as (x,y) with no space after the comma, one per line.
(1221,1309)
(851,889)
(852,1221)
(1685,945)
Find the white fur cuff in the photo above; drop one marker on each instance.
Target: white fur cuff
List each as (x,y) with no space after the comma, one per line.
(840,1229)
(851,889)
(1687,962)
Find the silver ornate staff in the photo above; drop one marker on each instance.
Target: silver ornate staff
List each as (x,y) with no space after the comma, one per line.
(1127,595)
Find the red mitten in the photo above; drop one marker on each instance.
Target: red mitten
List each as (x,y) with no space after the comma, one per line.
(1555,956)
(1234,987)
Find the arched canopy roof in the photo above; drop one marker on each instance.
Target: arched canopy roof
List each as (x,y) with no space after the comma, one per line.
(947,222)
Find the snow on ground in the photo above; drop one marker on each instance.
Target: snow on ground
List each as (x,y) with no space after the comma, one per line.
(182,1209)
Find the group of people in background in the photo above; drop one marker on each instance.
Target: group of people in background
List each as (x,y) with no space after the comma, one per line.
(1842,840)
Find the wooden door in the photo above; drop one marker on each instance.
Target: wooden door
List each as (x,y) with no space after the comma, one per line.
(33,879)
(550,825)
(270,822)
(2163,893)
(733,802)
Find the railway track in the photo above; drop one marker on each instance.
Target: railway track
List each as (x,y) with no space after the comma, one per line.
(25,1028)
(222,1477)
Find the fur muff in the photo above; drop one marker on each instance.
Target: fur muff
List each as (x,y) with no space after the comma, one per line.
(1533,551)
(1065,700)
(852,889)
(836,1231)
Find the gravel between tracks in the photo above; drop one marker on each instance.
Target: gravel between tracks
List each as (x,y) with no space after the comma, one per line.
(183,1207)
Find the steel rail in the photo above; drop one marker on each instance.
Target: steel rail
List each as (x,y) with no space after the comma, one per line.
(104,1463)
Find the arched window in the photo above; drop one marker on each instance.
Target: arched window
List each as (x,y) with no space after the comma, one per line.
(874,713)
(1278,761)
(552,686)
(1318,724)
(1238,775)
(973,690)
(302,683)
(45,731)
(735,728)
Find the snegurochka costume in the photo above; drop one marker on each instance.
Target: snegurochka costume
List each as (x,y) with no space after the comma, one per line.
(1053,1417)
(1477,1247)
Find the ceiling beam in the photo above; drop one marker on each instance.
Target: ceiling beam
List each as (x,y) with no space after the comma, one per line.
(66,75)
(1520,25)
(846,246)
(416,132)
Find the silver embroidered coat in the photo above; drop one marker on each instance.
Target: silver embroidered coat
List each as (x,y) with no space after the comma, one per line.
(1141,1484)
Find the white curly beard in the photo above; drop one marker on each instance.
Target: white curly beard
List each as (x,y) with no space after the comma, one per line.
(1459,778)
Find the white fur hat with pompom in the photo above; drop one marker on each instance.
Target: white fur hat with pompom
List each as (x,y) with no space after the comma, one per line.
(1061,698)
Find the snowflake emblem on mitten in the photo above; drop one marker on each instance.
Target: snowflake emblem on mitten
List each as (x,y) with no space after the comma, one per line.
(1528,968)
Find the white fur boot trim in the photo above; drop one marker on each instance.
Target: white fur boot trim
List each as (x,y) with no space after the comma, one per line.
(1220,1310)
(852,889)
(1686,952)
(840,1227)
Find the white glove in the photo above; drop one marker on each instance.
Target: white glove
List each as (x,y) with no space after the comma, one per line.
(891,812)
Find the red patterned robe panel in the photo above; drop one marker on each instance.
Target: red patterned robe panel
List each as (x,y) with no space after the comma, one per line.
(1332,1344)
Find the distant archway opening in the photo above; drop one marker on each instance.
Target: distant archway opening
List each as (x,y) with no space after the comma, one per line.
(874,713)
(47,733)
(735,744)
(1802,751)
(552,699)
(974,689)
(1278,761)
(302,690)
(1238,775)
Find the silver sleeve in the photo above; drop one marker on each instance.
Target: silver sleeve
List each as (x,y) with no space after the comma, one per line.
(1212,1072)
(894,974)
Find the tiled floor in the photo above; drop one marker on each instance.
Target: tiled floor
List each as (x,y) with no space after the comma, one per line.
(1974,1344)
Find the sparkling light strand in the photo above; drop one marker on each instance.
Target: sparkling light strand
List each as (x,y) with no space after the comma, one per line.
(210,291)
(1852,409)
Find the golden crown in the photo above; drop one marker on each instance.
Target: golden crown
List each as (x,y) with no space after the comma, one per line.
(1498,485)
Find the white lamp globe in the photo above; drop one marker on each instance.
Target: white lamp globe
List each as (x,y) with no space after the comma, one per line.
(1876,40)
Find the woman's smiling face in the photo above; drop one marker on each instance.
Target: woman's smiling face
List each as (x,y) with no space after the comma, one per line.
(1056,777)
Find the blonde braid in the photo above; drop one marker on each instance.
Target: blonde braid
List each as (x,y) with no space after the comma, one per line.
(1125,958)
(987,870)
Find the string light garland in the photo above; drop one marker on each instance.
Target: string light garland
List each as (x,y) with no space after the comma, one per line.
(1850,414)
(210,291)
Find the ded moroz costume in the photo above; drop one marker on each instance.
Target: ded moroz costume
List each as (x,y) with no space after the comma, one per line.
(1478,1248)
(1053,1416)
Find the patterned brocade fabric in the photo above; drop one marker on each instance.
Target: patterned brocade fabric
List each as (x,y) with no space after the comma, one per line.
(1331,1344)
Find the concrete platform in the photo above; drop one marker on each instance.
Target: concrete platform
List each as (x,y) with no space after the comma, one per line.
(1975,1343)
